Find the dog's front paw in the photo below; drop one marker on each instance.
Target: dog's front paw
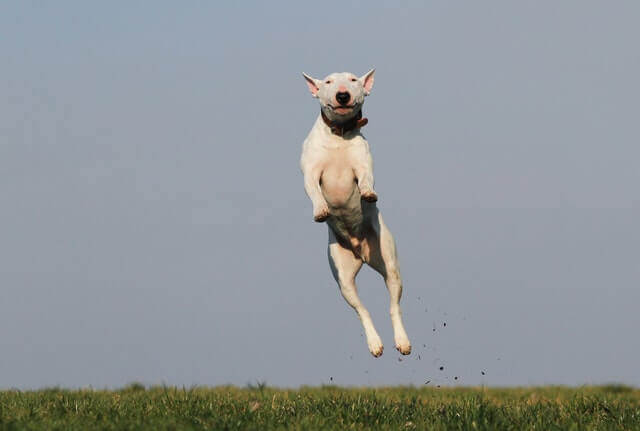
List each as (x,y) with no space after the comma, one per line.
(369,195)
(321,214)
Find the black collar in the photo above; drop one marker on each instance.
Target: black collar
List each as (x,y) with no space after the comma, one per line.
(341,128)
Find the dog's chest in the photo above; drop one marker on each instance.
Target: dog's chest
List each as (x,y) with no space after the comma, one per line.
(338,180)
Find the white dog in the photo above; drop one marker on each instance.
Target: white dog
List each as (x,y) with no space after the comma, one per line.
(338,177)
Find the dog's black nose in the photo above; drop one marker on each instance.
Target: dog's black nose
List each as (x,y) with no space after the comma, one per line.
(343,98)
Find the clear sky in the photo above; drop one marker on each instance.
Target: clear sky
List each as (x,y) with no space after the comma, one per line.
(154,227)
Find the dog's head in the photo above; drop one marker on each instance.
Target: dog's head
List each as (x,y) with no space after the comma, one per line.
(341,95)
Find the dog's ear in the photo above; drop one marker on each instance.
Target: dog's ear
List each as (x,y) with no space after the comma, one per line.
(313,84)
(367,81)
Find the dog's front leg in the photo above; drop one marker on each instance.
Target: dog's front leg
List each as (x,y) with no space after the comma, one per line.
(364,175)
(312,187)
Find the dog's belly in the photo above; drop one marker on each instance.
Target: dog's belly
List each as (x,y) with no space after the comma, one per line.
(341,192)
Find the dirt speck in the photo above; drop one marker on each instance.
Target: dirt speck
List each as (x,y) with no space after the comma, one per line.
(441,368)
(482,372)
(427,382)
(455,378)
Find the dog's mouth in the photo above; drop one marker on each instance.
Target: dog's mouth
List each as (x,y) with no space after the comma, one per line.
(342,109)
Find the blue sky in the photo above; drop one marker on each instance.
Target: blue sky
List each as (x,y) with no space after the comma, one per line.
(155,227)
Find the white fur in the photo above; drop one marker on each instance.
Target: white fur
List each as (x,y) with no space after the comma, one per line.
(338,177)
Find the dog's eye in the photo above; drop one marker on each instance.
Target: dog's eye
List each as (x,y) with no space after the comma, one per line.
(353,79)
(327,82)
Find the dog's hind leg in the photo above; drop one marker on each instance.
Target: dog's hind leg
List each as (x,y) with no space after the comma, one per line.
(383,258)
(345,266)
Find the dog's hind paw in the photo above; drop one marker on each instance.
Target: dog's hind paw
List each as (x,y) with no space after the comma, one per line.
(375,346)
(403,346)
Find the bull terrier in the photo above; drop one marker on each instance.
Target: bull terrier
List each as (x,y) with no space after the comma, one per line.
(338,178)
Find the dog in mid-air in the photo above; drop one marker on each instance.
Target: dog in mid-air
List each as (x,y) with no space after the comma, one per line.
(338,177)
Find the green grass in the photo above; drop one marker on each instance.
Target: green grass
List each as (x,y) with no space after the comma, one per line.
(264,408)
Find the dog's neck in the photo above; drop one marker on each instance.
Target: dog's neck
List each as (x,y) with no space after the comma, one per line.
(340,129)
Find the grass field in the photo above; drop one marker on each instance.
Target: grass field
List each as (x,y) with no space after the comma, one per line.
(263,408)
